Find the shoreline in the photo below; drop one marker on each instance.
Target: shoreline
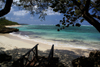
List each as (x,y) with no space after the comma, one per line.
(58,43)
(10,42)
(13,25)
(16,47)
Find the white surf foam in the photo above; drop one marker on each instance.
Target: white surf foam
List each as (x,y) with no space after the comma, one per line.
(49,42)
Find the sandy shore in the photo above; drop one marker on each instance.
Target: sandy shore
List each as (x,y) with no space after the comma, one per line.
(8,42)
(12,25)
(66,54)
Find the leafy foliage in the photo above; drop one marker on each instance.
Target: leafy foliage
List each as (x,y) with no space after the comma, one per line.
(1,27)
(34,6)
(4,21)
(71,10)
(75,9)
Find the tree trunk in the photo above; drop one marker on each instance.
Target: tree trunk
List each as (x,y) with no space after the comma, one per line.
(92,21)
(6,8)
(86,15)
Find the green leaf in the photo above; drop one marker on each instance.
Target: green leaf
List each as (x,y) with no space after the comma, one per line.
(79,1)
(67,25)
(55,10)
(70,9)
(67,16)
(71,22)
(63,27)
(58,25)
(19,4)
(73,25)
(67,20)
(72,13)
(52,6)
(60,20)
(67,2)
(58,30)
(26,6)
(82,20)
(63,23)
(78,25)
(77,12)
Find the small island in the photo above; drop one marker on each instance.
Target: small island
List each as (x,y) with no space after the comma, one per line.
(4,22)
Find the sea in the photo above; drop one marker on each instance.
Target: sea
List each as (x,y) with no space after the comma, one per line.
(84,37)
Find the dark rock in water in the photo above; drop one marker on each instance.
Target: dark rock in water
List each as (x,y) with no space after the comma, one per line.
(8,30)
(4,57)
(92,61)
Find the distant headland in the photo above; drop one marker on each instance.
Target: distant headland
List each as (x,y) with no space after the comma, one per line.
(4,22)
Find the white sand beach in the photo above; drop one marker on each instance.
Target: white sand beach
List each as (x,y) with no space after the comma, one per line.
(9,43)
(12,25)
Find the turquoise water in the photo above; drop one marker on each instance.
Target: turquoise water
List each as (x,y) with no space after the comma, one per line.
(84,37)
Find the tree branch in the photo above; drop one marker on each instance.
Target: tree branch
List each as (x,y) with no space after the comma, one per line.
(92,21)
(98,17)
(86,8)
(81,7)
(86,15)
(6,8)
(76,3)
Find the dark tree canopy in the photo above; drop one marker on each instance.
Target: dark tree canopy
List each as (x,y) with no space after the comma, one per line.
(72,10)
(78,9)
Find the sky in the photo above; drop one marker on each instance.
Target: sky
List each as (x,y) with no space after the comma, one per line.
(24,17)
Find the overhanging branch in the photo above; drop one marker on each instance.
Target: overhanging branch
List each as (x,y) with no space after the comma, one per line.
(81,7)
(98,17)
(76,3)
(6,8)
(86,8)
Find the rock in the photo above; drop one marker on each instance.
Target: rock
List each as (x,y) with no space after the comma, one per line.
(92,61)
(8,30)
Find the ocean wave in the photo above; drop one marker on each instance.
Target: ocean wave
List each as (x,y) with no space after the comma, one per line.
(58,43)
(20,36)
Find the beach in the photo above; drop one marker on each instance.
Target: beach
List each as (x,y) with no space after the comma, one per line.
(12,25)
(18,43)
(9,42)
(12,45)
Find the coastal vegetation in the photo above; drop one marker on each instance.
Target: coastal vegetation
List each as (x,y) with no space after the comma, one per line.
(4,22)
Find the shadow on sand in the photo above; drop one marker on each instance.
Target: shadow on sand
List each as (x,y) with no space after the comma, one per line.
(65,56)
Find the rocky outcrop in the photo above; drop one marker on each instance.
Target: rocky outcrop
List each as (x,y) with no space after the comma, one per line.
(92,61)
(8,30)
